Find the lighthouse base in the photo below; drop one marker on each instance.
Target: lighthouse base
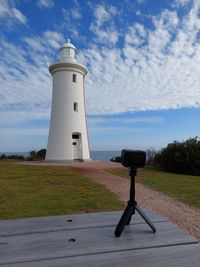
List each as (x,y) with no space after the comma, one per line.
(65,161)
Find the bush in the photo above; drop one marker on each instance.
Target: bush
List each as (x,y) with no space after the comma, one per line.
(3,156)
(41,154)
(180,157)
(33,155)
(37,155)
(16,157)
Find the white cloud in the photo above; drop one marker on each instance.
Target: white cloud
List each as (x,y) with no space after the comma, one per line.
(157,69)
(69,25)
(136,34)
(138,13)
(140,2)
(24,113)
(108,36)
(103,14)
(20,132)
(34,43)
(10,13)
(45,3)
(18,15)
(4,8)
(123,121)
(154,69)
(45,43)
(181,2)
(76,13)
(25,80)
(54,38)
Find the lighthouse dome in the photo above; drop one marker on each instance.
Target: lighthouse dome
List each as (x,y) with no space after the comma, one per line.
(68,52)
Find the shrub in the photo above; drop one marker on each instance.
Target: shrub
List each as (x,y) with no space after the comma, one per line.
(180,157)
(3,156)
(33,155)
(37,155)
(41,154)
(13,156)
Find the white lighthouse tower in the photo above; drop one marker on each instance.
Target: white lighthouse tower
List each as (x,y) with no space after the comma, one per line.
(68,138)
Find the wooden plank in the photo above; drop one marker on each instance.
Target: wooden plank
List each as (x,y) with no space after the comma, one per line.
(178,256)
(64,222)
(51,245)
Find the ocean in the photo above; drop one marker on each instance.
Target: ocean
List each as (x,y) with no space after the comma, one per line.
(104,155)
(95,155)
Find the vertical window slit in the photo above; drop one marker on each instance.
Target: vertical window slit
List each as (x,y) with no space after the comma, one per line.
(74,77)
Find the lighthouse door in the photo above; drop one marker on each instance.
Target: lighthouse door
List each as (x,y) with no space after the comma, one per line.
(77,146)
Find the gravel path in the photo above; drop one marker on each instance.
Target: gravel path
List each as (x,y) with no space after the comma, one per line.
(184,216)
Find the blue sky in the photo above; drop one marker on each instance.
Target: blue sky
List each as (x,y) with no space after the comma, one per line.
(143,57)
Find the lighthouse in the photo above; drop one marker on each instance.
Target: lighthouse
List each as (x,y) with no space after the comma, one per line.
(68,137)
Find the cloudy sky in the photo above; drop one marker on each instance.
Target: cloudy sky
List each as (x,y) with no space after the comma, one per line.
(143,57)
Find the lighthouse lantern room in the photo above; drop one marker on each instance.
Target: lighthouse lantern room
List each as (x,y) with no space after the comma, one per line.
(68,138)
(68,52)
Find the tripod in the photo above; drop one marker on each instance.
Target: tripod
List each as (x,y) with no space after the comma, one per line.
(131,207)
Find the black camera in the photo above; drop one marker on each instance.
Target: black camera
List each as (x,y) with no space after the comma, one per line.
(133,158)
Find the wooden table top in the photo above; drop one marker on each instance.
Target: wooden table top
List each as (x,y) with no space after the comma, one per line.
(88,240)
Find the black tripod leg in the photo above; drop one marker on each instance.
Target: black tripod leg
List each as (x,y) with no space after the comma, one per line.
(129,220)
(151,225)
(123,220)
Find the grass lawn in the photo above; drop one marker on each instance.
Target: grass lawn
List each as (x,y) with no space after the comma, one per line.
(29,191)
(185,188)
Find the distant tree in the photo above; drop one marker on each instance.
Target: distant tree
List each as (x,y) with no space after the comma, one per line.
(37,155)
(32,155)
(13,156)
(41,154)
(3,156)
(150,156)
(180,157)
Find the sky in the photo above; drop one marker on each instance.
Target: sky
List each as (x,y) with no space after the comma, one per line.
(143,57)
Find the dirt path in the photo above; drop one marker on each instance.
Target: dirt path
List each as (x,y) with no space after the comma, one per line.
(184,216)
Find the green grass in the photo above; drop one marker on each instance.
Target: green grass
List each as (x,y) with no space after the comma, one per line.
(29,191)
(185,188)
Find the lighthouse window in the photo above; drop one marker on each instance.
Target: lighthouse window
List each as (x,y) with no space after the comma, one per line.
(76,106)
(74,78)
(72,53)
(75,136)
